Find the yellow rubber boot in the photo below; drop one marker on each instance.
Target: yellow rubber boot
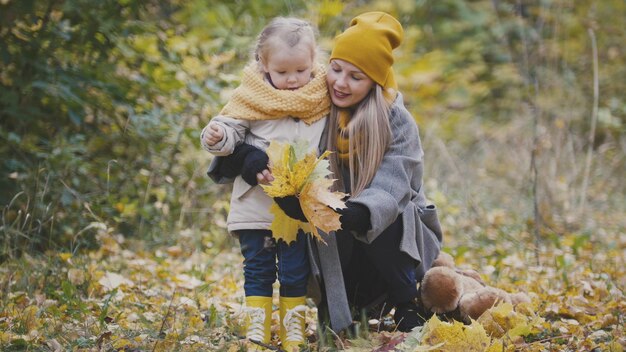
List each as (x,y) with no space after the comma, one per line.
(259,318)
(292,311)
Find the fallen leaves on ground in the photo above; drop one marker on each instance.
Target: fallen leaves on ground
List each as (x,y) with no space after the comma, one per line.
(189,297)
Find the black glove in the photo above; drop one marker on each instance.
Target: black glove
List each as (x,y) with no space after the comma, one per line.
(231,165)
(355,217)
(291,206)
(255,162)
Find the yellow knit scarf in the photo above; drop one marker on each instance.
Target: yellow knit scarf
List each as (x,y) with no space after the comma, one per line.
(256,99)
(343,139)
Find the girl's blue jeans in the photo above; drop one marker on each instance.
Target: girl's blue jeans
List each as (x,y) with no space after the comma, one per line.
(264,258)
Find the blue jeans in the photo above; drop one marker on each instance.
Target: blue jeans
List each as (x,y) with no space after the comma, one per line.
(264,258)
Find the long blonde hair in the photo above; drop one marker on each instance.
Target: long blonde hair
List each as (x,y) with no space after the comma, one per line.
(370,135)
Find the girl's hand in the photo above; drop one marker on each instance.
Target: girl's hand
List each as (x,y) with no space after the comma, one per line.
(264,177)
(213,134)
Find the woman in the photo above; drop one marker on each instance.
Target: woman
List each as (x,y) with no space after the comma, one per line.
(390,235)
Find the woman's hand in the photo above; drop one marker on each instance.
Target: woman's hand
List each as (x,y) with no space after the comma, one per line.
(355,217)
(290,205)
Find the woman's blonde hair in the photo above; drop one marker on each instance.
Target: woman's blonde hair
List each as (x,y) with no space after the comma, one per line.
(370,135)
(290,31)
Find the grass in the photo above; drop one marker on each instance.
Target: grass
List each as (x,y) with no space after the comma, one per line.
(182,297)
(184,290)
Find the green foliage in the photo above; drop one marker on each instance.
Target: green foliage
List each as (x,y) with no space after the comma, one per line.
(478,59)
(61,118)
(501,82)
(98,101)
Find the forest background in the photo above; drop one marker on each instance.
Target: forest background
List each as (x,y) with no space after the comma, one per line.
(113,238)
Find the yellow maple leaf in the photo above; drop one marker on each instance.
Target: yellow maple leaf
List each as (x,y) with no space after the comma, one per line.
(280,161)
(29,318)
(498,346)
(292,168)
(282,157)
(315,200)
(284,227)
(304,175)
(503,319)
(455,336)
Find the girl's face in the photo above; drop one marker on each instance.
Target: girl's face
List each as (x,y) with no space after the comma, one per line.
(347,84)
(289,67)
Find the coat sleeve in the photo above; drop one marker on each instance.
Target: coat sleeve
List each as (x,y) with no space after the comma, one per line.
(234,134)
(224,169)
(391,188)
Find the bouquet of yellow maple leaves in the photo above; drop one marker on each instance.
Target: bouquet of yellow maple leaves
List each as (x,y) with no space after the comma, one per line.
(305,176)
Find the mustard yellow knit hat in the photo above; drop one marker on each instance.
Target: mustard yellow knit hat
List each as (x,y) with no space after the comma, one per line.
(368,44)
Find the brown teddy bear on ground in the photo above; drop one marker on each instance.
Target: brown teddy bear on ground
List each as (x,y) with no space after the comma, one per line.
(460,294)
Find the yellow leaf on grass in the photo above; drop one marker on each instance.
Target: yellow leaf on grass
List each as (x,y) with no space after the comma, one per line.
(122,343)
(455,336)
(29,318)
(498,346)
(65,256)
(186,281)
(111,281)
(502,319)
(76,276)
(5,337)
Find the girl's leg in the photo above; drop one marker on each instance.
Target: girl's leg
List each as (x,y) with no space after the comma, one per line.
(259,264)
(293,266)
(293,272)
(259,255)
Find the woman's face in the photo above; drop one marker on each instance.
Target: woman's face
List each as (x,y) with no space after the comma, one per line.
(347,84)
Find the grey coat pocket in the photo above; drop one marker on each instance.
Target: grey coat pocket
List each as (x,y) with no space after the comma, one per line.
(430,219)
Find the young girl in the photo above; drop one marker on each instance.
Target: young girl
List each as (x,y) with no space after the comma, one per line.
(282,96)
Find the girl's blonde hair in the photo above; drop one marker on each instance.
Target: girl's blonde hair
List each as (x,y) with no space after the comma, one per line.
(290,31)
(370,136)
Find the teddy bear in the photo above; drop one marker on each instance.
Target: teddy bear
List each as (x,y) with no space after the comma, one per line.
(461,294)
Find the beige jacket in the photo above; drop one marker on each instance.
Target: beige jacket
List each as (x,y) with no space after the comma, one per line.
(249,206)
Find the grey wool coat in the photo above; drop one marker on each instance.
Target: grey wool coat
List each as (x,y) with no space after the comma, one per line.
(396,189)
